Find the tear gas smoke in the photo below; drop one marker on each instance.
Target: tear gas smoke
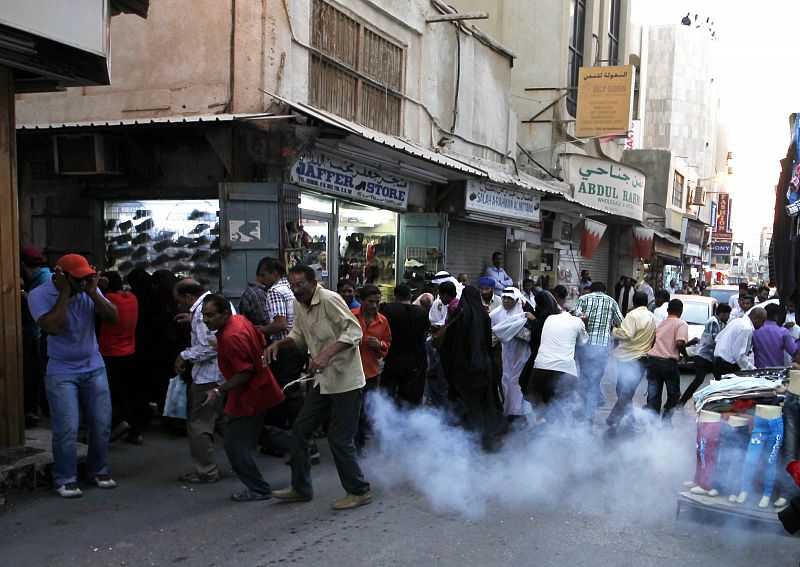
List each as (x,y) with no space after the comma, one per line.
(562,465)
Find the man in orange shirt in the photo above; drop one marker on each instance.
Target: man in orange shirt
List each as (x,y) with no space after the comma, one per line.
(373,347)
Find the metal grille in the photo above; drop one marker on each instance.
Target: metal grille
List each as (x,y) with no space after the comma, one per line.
(356,73)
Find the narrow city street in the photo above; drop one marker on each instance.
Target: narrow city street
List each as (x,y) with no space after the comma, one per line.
(567,500)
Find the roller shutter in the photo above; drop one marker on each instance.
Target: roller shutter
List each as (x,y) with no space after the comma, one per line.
(470,247)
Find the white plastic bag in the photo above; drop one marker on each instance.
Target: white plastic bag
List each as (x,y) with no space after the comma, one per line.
(175,404)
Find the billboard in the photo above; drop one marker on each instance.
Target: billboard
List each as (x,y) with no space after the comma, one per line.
(721,248)
(605,100)
(722,227)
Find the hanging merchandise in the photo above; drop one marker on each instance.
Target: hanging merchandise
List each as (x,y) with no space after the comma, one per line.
(793,191)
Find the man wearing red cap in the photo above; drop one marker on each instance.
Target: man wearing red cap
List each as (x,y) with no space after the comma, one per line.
(34,273)
(75,380)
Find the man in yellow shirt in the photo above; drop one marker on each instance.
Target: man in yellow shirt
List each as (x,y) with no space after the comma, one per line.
(328,329)
(635,337)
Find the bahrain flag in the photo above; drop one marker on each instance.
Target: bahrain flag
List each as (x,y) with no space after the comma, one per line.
(642,242)
(592,234)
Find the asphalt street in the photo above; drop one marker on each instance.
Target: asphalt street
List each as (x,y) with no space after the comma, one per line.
(438,501)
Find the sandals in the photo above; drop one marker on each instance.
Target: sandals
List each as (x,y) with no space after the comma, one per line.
(197,478)
(247,495)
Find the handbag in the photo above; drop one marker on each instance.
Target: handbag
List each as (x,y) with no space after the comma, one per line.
(175,403)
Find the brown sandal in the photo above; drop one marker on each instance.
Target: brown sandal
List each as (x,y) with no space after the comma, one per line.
(197,478)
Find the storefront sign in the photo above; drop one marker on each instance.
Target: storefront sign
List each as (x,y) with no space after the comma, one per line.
(693,232)
(592,235)
(347,179)
(693,261)
(485,197)
(722,228)
(605,100)
(691,250)
(607,186)
(664,247)
(721,248)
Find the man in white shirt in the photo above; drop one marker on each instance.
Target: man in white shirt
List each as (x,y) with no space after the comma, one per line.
(734,343)
(673,286)
(733,301)
(744,306)
(662,302)
(501,279)
(647,288)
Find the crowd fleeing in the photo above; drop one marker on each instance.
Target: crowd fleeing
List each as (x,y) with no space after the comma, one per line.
(293,361)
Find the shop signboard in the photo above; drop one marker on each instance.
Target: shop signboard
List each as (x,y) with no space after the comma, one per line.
(722,227)
(605,100)
(350,180)
(485,197)
(664,247)
(721,248)
(693,232)
(607,186)
(691,250)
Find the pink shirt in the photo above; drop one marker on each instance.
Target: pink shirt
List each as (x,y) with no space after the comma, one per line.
(669,331)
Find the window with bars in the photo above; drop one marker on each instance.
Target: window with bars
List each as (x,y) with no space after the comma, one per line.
(613,32)
(677,190)
(354,71)
(577,28)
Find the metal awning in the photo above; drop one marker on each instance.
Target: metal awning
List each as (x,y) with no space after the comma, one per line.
(144,121)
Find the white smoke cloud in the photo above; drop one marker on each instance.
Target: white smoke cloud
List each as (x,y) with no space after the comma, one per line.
(563,465)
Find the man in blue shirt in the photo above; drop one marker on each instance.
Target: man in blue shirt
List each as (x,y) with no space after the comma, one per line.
(501,279)
(75,381)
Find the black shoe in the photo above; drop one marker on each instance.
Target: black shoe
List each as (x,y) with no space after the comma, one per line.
(272,452)
(315,459)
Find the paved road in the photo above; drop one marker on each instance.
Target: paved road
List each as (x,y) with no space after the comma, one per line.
(565,498)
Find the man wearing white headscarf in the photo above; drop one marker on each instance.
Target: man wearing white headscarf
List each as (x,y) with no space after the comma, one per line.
(438,312)
(508,326)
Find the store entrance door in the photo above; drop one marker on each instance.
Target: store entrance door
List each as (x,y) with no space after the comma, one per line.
(249,230)
(314,250)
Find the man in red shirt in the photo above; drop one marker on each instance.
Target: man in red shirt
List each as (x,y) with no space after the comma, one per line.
(250,387)
(377,337)
(117,342)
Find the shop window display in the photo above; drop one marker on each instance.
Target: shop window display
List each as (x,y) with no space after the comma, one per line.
(367,242)
(179,236)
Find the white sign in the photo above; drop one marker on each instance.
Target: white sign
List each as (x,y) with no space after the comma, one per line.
(347,179)
(244,231)
(488,198)
(607,186)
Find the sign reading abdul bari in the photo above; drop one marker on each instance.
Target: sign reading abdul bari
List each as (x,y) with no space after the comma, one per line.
(605,100)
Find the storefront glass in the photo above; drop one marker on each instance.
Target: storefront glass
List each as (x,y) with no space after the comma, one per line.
(181,236)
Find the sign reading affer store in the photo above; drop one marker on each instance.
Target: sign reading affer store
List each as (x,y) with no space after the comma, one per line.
(605,100)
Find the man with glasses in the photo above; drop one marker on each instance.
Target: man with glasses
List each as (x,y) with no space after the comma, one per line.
(328,329)
(75,382)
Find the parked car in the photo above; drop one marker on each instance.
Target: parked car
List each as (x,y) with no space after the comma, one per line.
(697,310)
(722,293)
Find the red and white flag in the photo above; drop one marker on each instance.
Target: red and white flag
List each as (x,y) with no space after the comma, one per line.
(642,242)
(592,234)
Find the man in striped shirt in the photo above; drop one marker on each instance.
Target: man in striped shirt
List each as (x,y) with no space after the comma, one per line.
(600,313)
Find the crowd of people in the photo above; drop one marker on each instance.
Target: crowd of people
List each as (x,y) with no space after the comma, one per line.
(294,361)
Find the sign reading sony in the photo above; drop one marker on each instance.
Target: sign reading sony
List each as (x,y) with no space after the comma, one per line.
(488,198)
(607,186)
(346,179)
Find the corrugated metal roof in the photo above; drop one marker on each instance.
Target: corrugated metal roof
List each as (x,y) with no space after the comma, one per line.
(381,138)
(144,121)
(523,181)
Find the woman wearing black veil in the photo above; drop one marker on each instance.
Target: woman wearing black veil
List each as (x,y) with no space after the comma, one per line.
(466,359)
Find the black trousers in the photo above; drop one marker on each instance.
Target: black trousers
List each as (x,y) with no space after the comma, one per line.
(403,379)
(722,367)
(128,398)
(702,367)
(343,410)
(364,425)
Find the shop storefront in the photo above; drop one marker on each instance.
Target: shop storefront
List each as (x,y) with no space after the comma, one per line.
(666,261)
(491,218)
(692,235)
(347,221)
(617,190)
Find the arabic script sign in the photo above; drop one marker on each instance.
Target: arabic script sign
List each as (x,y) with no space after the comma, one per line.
(607,186)
(605,100)
(488,198)
(346,179)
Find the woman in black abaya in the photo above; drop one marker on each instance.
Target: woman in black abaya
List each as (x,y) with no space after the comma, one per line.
(467,363)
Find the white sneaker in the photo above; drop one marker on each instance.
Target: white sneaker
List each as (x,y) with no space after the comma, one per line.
(103,481)
(69,490)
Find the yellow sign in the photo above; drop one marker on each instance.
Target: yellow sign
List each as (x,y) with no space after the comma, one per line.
(605,100)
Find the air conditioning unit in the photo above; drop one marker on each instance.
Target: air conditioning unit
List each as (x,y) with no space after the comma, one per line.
(699,197)
(86,154)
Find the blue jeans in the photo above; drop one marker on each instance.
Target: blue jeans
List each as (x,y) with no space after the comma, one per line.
(592,360)
(790,448)
(629,375)
(70,396)
(733,448)
(766,433)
